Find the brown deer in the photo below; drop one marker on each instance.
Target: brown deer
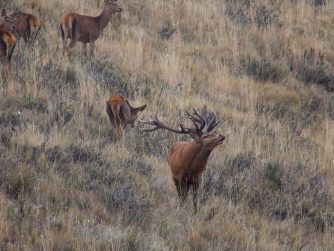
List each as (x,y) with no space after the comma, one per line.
(187,160)
(7,46)
(86,29)
(27,26)
(7,43)
(121,113)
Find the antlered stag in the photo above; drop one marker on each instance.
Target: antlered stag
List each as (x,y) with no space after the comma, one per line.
(187,160)
(86,29)
(121,113)
(26,25)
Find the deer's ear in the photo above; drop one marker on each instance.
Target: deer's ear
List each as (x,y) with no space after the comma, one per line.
(141,108)
(138,109)
(3,12)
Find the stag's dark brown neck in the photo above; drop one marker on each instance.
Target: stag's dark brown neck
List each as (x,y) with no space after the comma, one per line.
(202,153)
(104,18)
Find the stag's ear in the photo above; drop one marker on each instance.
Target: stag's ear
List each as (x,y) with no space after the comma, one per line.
(3,12)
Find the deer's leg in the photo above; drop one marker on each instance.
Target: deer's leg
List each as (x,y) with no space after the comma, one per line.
(195,186)
(84,49)
(184,186)
(74,39)
(120,131)
(65,47)
(91,48)
(178,187)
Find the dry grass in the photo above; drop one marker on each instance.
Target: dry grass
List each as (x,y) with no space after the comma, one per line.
(266,68)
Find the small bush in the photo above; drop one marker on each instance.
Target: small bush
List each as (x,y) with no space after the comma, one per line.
(264,17)
(262,70)
(166,30)
(240,163)
(63,113)
(238,12)
(17,180)
(312,68)
(318,3)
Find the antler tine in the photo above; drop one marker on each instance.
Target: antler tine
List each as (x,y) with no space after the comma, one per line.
(193,119)
(213,122)
(151,121)
(198,119)
(203,122)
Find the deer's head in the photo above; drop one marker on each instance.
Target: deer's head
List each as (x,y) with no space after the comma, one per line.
(208,137)
(112,7)
(134,113)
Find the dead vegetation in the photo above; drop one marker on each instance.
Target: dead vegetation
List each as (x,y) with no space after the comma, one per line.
(265,67)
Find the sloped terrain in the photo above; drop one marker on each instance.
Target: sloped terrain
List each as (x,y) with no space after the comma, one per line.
(265,67)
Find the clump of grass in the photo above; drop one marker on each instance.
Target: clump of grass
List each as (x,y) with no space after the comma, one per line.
(264,17)
(268,187)
(262,70)
(312,68)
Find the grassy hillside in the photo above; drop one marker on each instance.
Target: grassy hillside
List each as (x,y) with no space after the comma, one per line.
(266,68)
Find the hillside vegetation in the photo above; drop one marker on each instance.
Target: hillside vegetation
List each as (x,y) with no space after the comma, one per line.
(266,68)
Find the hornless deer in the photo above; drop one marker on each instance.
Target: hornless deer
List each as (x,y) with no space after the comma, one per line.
(7,46)
(7,43)
(26,25)
(86,29)
(121,113)
(187,160)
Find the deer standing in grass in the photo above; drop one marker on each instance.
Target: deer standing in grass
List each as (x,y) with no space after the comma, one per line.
(86,29)
(187,160)
(7,43)
(26,25)
(121,113)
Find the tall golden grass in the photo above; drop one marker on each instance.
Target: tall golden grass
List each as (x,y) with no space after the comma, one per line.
(67,185)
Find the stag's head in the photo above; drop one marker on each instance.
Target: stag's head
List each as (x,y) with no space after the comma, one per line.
(203,131)
(112,7)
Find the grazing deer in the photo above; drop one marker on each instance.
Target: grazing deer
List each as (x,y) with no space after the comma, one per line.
(86,29)
(26,25)
(121,113)
(187,160)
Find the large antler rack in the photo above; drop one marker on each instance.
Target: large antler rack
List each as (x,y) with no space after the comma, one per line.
(198,121)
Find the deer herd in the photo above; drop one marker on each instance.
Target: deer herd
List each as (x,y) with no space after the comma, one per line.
(187,160)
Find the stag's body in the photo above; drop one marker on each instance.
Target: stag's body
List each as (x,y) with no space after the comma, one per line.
(26,25)
(86,29)
(187,160)
(121,113)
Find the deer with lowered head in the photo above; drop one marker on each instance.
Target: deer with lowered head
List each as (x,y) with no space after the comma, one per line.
(86,29)
(121,113)
(187,160)
(26,25)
